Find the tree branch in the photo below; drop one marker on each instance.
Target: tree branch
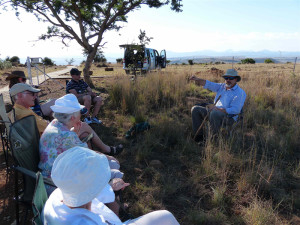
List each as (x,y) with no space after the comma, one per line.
(65,26)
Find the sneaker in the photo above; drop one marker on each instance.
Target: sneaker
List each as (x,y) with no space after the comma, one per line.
(83,111)
(88,120)
(96,120)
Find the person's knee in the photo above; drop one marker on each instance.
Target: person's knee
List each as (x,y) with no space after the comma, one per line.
(97,100)
(87,98)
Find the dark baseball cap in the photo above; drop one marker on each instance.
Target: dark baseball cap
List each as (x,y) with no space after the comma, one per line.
(75,71)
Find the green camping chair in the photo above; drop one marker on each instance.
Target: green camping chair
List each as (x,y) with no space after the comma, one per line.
(39,200)
(24,141)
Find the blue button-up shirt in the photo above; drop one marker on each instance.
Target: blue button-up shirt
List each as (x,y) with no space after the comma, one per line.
(232,100)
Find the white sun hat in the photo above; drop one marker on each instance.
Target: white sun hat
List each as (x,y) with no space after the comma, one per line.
(81,175)
(67,104)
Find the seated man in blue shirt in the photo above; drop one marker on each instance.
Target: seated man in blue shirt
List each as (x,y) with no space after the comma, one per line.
(231,102)
(85,96)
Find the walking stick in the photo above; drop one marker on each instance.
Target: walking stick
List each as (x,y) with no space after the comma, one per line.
(205,118)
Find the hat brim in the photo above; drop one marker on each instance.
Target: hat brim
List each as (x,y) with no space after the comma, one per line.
(65,109)
(104,195)
(11,76)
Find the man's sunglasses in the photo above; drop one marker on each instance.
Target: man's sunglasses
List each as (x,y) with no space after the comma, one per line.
(229,78)
(29,93)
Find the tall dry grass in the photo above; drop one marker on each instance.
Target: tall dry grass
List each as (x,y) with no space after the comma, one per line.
(249,178)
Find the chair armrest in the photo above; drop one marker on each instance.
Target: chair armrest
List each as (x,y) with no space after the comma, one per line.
(32,174)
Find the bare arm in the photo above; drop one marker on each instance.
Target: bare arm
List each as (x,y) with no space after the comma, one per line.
(198,81)
(73,91)
(90,92)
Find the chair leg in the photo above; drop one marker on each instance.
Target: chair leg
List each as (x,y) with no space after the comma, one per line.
(17,197)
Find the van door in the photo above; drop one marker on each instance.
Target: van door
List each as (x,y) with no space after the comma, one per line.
(156,59)
(147,60)
(163,59)
(152,56)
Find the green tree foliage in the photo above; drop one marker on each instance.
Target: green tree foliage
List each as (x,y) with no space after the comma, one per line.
(48,62)
(248,61)
(191,62)
(269,61)
(119,60)
(100,58)
(15,59)
(91,18)
(144,40)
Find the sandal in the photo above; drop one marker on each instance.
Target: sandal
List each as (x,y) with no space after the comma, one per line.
(115,150)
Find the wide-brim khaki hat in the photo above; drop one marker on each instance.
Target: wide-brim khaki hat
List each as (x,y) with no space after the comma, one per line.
(232,73)
(20,87)
(15,74)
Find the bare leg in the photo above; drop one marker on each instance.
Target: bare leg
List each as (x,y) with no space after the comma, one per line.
(87,101)
(46,110)
(85,128)
(114,206)
(98,102)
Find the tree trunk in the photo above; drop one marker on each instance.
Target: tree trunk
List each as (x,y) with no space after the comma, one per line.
(87,67)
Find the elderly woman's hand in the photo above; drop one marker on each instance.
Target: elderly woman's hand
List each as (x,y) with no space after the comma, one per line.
(112,158)
(76,127)
(118,184)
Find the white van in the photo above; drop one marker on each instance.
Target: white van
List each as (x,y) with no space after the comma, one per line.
(140,58)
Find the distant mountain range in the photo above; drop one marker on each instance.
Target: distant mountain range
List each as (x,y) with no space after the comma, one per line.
(207,56)
(246,54)
(204,56)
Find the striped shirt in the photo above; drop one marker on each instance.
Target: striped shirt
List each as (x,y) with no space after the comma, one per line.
(79,86)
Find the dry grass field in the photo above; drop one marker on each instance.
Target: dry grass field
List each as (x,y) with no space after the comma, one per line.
(251,177)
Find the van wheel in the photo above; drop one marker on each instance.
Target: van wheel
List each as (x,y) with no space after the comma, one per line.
(127,72)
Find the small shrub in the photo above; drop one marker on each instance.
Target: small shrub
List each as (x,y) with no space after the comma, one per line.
(48,62)
(260,212)
(5,64)
(15,60)
(269,61)
(119,60)
(191,62)
(248,61)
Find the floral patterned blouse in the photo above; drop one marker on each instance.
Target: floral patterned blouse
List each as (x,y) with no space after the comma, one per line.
(56,139)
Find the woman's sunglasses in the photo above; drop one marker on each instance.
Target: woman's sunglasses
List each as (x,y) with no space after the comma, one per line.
(229,78)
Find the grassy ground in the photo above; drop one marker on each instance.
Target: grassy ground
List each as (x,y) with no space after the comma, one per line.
(252,177)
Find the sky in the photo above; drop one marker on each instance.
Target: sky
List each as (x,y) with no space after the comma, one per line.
(218,25)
